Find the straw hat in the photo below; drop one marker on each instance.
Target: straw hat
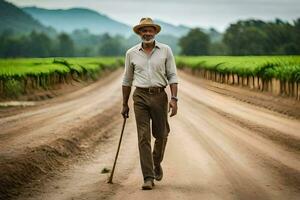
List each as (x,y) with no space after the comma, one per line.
(146,22)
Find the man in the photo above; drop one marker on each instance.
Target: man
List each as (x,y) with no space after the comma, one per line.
(150,67)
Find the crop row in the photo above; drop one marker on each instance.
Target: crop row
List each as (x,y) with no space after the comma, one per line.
(279,75)
(20,76)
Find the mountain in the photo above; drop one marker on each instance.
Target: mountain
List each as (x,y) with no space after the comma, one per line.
(68,20)
(170,29)
(78,18)
(15,19)
(180,30)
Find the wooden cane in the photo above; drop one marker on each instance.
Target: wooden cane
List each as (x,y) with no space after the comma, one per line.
(113,169)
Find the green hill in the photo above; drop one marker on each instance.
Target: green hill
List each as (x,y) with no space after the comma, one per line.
(81,18)
(78,18)
(15,19)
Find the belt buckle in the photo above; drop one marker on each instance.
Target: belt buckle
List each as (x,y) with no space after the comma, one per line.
(149,90)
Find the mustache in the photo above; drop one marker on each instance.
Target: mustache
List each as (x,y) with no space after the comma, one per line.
(147,36)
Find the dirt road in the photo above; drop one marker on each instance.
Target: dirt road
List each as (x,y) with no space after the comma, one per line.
(225,143)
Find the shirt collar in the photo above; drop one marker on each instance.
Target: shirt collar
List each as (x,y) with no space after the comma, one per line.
(157,45)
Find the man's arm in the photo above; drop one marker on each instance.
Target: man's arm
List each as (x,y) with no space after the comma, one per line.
(173,89)
(173,81)
(173,101)
(126,93)
(126,85)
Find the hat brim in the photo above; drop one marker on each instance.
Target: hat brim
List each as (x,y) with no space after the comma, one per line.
(137,27)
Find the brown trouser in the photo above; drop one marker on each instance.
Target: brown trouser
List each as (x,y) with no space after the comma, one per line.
(155,107)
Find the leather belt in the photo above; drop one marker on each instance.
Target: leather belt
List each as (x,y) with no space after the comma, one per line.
(152,90)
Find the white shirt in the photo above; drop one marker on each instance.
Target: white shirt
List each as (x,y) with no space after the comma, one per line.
(158,69)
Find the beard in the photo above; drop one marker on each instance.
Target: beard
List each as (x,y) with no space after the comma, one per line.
(148,41)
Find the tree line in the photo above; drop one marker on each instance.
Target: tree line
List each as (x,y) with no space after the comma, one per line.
(38,44)
(246,37)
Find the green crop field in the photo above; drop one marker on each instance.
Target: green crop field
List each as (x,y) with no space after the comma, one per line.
(271,73)
(19,76)
(279,75)
(281,67)
(38,66)
(266,67)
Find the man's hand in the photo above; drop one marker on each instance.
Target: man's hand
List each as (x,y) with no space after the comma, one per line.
(173,105)
(125,111)
(126,93)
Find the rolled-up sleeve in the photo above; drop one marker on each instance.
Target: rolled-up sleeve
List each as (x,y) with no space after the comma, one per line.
(128,72)
(171,67)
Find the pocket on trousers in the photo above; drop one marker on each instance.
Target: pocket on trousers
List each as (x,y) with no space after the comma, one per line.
(134,95)
(166,96)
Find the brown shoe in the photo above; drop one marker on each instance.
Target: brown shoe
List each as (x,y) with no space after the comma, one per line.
(158,173)
(148,184)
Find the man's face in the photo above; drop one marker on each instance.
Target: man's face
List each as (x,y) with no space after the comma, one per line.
(147,34)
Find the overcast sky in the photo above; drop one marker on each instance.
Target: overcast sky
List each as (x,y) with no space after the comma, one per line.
(203,13)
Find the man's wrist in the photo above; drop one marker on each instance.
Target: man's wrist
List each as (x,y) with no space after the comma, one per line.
(174,98)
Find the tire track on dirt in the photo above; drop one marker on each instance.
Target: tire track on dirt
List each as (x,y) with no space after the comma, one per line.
(38,161)
(242,110)
(60,117)
(290,142)
(284,164)
(84,180)
(24,159)
(244,186)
